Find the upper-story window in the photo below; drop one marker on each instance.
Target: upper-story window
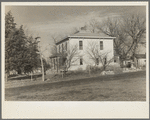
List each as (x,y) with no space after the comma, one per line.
(81,61)
(62,47)
(80,45)
(101,45)
(97,61)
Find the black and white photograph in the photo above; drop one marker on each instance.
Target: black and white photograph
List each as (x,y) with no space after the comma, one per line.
(62,52)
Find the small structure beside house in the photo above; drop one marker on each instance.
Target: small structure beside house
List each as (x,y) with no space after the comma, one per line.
(140,60)
(79,43)
(128,62)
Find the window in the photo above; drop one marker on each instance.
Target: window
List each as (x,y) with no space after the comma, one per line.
(114,60)
(81,61)
(80,45)
(97,61)
(62,47)
(105,60)
(63,61)
(101,45)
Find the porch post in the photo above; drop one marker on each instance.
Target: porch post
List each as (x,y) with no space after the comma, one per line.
(137,63)
(57,64)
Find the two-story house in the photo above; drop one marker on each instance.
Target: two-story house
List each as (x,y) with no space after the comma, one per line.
(83,48)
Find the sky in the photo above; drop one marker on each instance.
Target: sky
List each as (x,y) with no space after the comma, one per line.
(47,21)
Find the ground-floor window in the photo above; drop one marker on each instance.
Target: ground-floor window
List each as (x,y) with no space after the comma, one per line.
(105,60)
(63,61)
(97,61)
(81,61)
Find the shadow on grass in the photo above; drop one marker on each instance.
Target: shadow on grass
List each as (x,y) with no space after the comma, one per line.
(26,77)
(12,76)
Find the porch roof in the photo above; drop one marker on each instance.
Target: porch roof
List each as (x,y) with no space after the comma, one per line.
(55,55)
(62,55)
(138,56)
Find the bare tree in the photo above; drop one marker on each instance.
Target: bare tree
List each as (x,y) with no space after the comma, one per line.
(93,23)
(54,47)
(69,57)
(75,30)
(128,31)
(97,56)
(66,58)
(109,26)
(135,27)
(112,27)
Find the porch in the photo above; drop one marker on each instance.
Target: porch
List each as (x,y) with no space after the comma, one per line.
(58,62)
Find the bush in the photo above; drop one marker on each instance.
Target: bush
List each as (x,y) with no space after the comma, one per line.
(94,69)
(128,65)
(109,68)
(76,72)
(118,70)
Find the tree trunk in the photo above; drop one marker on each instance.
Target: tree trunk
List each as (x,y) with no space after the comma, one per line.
(6,76)
(57,64)
(31,76)
(137,64)
(89,70)
(121,62)
(104,67)
(62,74)
(19,71)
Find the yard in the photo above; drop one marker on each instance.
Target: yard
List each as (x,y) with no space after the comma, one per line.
(120,87)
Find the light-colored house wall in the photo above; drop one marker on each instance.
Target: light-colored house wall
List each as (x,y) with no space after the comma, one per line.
(140,62)
(64,45)
(107,48)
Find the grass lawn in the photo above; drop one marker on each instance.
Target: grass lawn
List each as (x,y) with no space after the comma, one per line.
(121,87)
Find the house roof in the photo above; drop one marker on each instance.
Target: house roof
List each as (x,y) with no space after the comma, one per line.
(140,56)
(85,34)
(63,40)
